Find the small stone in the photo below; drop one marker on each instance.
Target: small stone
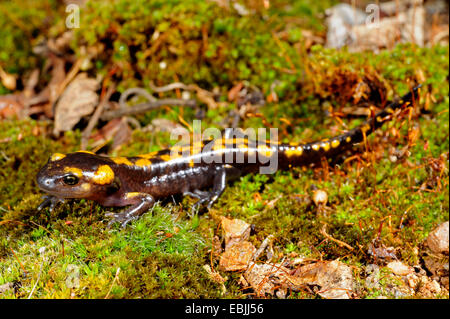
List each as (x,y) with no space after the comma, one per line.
(438,239)
(435,287)
(399,268)
(429,288)
(186,95)
(281,294)
(412,280)
(162,65)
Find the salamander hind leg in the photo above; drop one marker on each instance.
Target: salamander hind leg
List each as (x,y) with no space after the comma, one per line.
(140,203)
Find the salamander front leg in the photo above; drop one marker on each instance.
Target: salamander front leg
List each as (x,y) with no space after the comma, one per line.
(49,201)
(140,203)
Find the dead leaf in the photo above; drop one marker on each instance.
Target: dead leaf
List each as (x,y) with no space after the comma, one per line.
(237,257)
(347,26)
(264,278)
(165,125)
(233,93)
(214,275)
(381,252)
(116,129)
(79,99)
(235,231)
(334,278)
(7,79)
(10,106)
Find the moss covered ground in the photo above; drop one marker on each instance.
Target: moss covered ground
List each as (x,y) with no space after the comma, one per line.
(397,199)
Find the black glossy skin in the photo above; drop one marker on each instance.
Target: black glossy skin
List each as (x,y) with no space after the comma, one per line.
(139,181)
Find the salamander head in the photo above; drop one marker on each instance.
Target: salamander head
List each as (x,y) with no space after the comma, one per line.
(77,175)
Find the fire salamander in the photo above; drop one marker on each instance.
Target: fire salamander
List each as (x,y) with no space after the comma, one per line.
(138,181)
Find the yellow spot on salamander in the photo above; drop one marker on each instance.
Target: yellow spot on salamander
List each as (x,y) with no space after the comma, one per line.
(348,139)
(121,160)
(143,162)
(265,150)
(57,157)
(191,163)
(218,147)
(131,195)
(165,157)
(87,152)
(325,146)
(315,147)
(176,149)
(187,150)
(298,151)
(242,146)
(103,175)
(197,147)
(149,155)
(74,170)
(335,143)
(379,119)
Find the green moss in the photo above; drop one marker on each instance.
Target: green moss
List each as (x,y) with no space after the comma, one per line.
(209,39)
(21,23)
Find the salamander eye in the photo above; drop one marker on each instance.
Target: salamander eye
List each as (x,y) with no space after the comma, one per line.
(70,179)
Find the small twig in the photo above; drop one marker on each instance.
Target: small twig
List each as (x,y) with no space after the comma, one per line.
(95,117)
(170,87)
(144,107)
(69,77)
(263,246)
(17,258)
(112,284)
(5,221)
(134,91)
(323,231)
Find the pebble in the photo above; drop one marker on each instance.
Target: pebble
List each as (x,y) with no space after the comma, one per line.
(399,268)
(438,239)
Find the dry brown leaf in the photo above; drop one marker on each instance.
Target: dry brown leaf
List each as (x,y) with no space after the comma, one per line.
(381,251)
(10,106)
(334,278)
(233,93)
(264,278)
(117,129)
(235,231)
(214,275)
(237,257)
(7,79)
(79,99)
